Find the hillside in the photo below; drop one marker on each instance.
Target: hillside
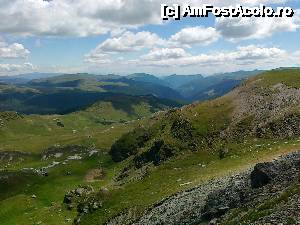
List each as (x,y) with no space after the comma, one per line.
(259,108)
(117,163)
(216,90)
(73,128)
(256,121)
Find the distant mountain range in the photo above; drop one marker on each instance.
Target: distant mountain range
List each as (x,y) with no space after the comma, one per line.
(24,78)
(43,93)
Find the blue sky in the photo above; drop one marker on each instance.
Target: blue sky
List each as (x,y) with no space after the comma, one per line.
(127,36)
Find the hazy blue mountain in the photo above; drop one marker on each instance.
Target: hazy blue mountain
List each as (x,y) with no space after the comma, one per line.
(175,81)
(216,90)
(197,89)
(137,84)
(24,78)
(144,77)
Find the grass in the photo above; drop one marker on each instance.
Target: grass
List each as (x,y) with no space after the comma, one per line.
(211,116)
(47,207)
(20,208)
(289,77)
(163,180)
(34,133)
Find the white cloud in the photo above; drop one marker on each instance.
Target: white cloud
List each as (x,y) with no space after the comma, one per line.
(129,12)
(129,42)
(86,17)
(242,55)
(178,60)
(165,53)
(14,50)
(234,29)
(195,35)
(256,28)
(75,18)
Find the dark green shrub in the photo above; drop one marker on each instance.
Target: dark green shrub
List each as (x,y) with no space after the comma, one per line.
(128,144)
(160,151)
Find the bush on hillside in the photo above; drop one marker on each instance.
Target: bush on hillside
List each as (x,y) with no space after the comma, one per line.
(160,151)
(128,144)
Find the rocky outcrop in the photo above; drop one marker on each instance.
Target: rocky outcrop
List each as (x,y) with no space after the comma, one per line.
(264,103)
(11,156)
(72,198)
(263,112)
(215,200)
(56,152)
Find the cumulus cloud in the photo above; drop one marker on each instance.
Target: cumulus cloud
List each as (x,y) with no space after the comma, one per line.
(165,53)
(129,12)
(242,55)
(10,51)
(86,17)
(175,60)
(126,42)
(75,18)
(195,35)
(233,29)
(255,28)
(46,18)
(129,41)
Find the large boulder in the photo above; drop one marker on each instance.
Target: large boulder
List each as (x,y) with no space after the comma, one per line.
(263,174)
(277,171)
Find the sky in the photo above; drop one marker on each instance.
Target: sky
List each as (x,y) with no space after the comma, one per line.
(129,36)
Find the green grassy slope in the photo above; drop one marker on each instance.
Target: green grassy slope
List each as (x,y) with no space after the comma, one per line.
(96,128)
(75,128)
(289,77)
(172,151)
(182,148)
